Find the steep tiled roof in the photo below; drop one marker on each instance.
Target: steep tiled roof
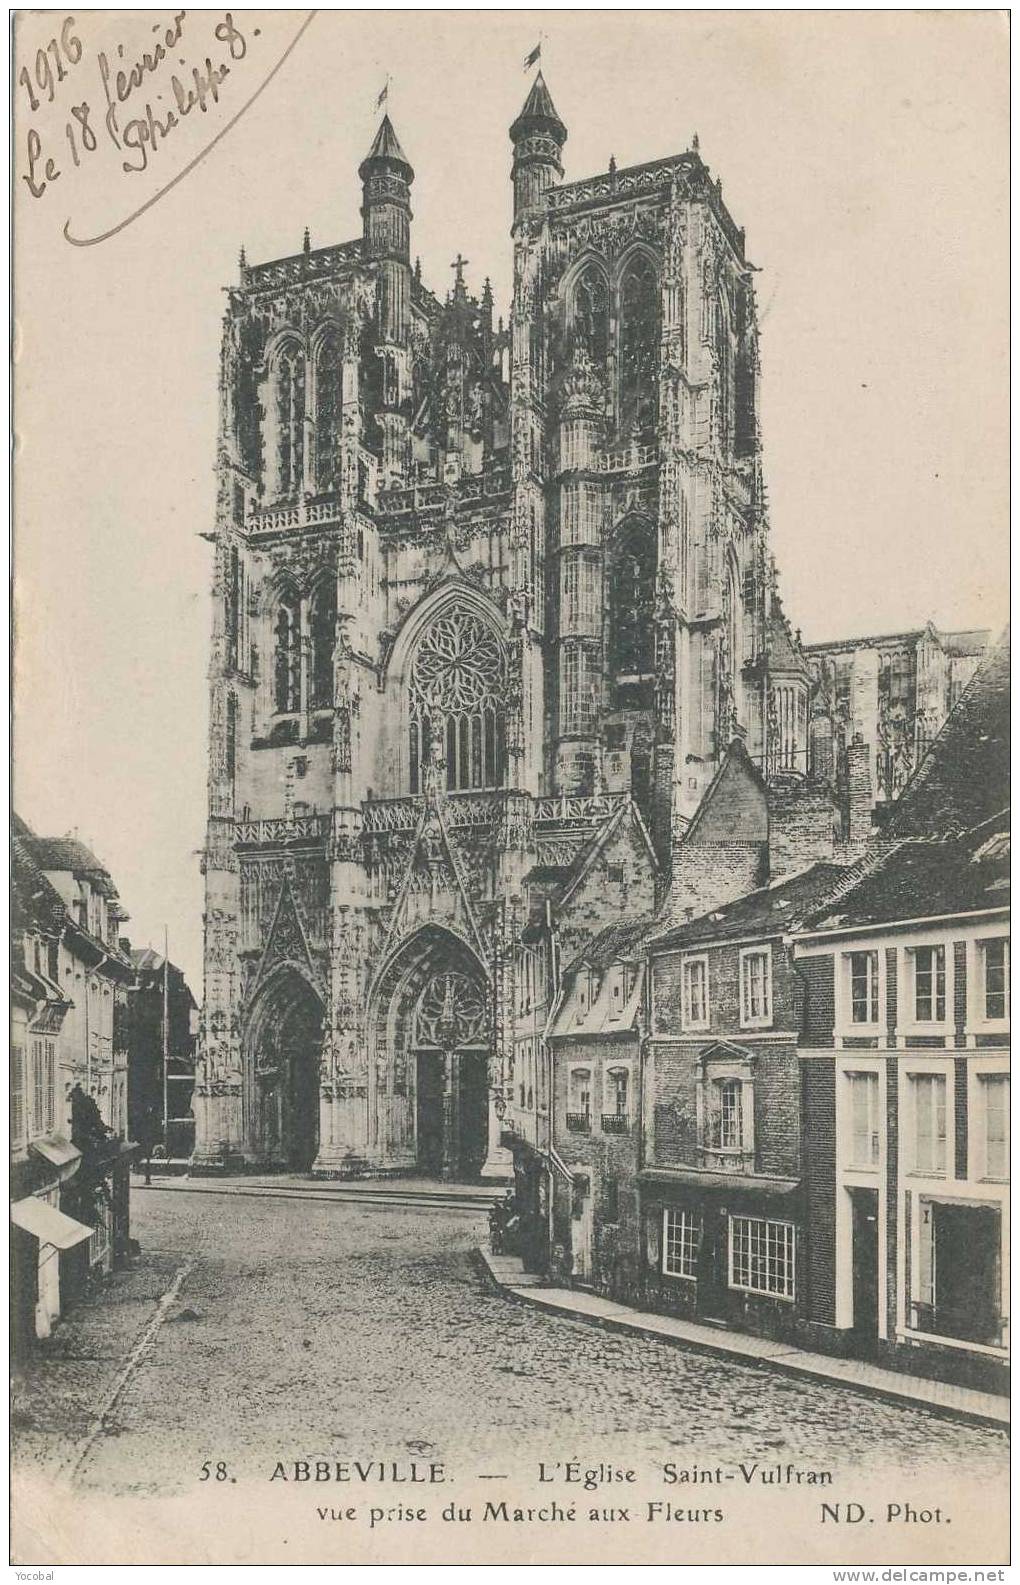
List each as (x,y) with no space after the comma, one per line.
(34,901)
(67,853)
(769,910)
(964,777)
(926,879)
(615,942)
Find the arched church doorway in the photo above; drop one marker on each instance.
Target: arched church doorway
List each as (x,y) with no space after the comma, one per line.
(433,1028)
(284,1053)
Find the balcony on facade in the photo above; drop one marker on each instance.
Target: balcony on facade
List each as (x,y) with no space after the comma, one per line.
(578,1122)
(283,831)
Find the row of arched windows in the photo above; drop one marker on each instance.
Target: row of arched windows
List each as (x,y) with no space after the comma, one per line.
(303,675)
(303,411)
(637,341)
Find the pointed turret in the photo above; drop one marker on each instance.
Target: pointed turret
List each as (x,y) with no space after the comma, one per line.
(386,147)
(538,109)
(538,136)
(386,176)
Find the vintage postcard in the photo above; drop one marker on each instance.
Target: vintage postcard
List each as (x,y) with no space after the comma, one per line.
(510,989)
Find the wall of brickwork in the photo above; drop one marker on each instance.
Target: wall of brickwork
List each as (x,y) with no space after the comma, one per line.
(708,874)
(805,827)
(601,900)
(819,1008)
(818,1076)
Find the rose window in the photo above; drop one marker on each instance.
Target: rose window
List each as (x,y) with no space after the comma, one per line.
(457,693)
(452,1012)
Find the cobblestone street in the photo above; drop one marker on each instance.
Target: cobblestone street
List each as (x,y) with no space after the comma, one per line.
(305,1330)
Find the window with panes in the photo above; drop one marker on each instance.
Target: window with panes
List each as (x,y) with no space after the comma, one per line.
(929,1095)
(762,1255)
(930,984)
(995,978)
(755,988)
(863,1093)
(695,993)
(681,1241)
(863,975)
(994,1093)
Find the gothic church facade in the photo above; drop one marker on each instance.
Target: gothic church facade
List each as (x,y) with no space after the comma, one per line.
(491,605)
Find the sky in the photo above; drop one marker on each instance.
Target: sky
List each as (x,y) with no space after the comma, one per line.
(864,153)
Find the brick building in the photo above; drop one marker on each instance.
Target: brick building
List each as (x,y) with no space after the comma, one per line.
(721,1232)
(905,1055)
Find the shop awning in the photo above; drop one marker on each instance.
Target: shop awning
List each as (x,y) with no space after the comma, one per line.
(731,1182)
(56,1150)
(47,1224)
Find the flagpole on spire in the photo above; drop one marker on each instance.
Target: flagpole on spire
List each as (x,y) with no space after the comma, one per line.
(383,97)
(535,56)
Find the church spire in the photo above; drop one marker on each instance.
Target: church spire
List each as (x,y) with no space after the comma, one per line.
(386,148)
(538,136)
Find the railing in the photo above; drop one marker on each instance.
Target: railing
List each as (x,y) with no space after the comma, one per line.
(279,832)
(578,1122)
(299,267)
(299,514)
(965,1325)
(566,809)
(615,1123)
(624,459)
(428,497)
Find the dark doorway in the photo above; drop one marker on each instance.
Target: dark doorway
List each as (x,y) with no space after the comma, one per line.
(864,1204)
(713,1265)
(430,1113)
(965,1268)
(285,1075)
(474,1113)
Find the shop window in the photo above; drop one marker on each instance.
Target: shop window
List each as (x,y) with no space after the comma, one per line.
(681,1242)
(762,1255)
(958,1293)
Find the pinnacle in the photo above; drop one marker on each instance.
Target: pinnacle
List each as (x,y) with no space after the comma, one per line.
(539,107)
(386,146)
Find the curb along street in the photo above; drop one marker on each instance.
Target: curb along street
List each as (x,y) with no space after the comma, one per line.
(939,1398)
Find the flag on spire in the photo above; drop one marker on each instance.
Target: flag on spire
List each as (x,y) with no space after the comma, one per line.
(384,95)
(535,55)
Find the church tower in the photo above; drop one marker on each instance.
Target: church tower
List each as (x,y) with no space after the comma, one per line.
(491,602)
